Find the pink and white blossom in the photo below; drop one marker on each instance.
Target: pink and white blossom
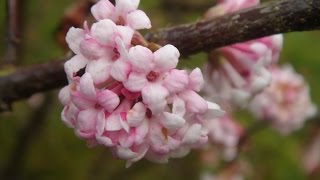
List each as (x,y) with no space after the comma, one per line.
(125,13)
(239,71)
(286,102)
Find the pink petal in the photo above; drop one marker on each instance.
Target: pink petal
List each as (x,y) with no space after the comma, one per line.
(180,152)
(123,7)
(141,132)
(142,150)
(99,70)
(91,49)
(120,70)
(81,102)
(108,100)
(101,122)
(166,58)
(194,102)
(124,124)
(141,59)
(135,82)
(74,37)
(176,81)
(113,123)
(196,81)
(138,20)
(87,120)
(69,115)
(154,96)
(192,135)
(104,31)
(87,87)
(136,115)
(103,9)
(72,66)
(171,121)
(104,140)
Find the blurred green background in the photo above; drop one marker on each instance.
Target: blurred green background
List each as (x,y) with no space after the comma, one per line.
(35,144)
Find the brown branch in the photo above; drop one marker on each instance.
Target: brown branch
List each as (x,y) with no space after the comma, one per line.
(266,19)
(12,34)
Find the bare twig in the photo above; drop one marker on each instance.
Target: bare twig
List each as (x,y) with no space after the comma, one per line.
(12,33)
(266,19)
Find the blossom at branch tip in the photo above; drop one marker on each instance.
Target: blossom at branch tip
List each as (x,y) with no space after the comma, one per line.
(123,13)
(286,103)
(129,98)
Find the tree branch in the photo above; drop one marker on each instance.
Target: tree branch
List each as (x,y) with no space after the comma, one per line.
(266,19)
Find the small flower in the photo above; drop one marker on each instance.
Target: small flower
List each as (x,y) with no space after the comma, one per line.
(286,102)
(123,13)
(100,50)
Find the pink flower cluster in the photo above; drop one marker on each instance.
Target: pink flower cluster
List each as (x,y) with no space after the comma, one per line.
(128,98)
(239,71)
(286,102)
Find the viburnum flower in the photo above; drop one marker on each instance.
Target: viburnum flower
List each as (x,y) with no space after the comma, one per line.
(101,50)
(225,131)
(123,13)
(239,71)
(128,98)
(286,102)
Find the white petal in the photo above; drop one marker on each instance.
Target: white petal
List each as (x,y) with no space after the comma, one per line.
(120,70)
(123,7)
(104,31)
(87,87)
(108,99)
(99,70)
(135,82)
(126,34)
(171,121)
(178,107)
(155,97)
(72,66)
(196,81)
(214,111)
(166,58)
(176,81)
(74,37)
(138,20)
(136,115)
(125,153)
(192,135)
(64,95)
(101,122)
(141,58)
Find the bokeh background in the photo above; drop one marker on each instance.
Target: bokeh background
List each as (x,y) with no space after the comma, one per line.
(35,144)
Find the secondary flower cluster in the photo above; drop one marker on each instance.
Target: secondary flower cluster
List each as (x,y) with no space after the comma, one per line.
(239,71)
(286,102)
(127,97)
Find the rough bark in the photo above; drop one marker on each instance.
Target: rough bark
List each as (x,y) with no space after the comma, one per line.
(266,19)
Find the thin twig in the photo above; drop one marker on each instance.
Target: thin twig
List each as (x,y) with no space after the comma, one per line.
(12,33)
